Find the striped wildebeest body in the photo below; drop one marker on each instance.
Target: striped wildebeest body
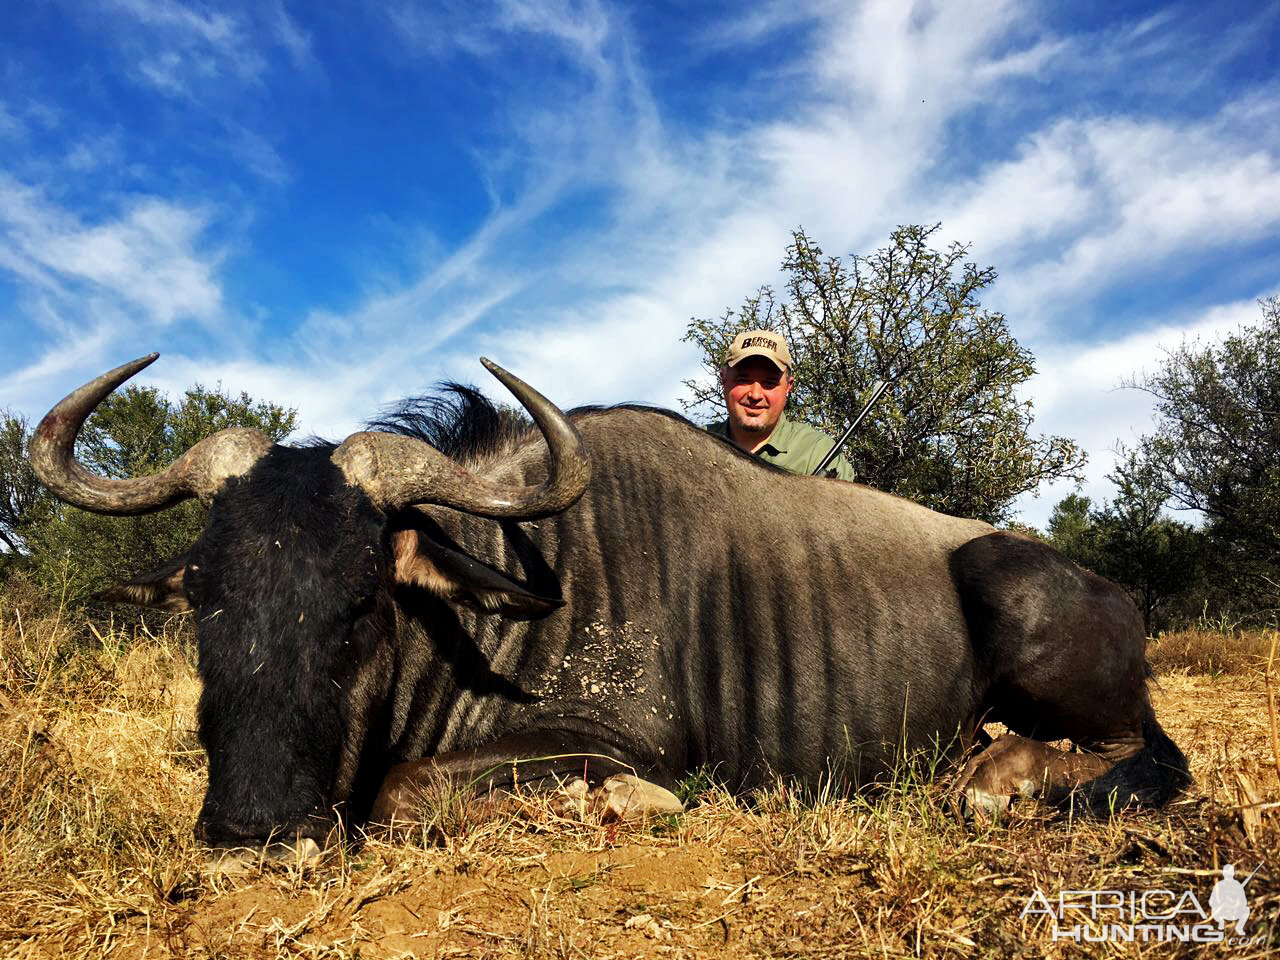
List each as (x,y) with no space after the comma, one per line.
(462,594)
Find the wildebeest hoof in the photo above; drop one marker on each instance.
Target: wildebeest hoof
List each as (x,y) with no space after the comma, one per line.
(984,804)
(622,797)
(393,808)
(241,860)
(1015,767)
(626,797)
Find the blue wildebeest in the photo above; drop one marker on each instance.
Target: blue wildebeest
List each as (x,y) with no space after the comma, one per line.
(619,585)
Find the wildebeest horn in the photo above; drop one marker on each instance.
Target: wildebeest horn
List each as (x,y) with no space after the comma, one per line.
(199,472)
(396,470)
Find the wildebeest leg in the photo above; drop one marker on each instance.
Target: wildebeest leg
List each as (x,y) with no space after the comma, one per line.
(542,760)
(1062,653)
(1016,766)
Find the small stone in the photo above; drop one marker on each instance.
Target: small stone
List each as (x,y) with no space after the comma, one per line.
(572,800)
(651,927)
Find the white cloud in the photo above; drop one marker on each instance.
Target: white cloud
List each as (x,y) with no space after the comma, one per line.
(179,49)
(295,40)
(256,154)
(210,58)
(217,60)
(148,258)
(215,29)
(10,126)
(581,27)
(21,116)
(1089,204)
(759,22)
(684,221)
(72,352)
(1078,392)
(440,29)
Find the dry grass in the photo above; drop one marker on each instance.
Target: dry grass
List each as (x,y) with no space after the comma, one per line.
(102,778)
(1210,652)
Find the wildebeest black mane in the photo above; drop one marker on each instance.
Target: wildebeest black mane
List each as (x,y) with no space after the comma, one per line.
(465,425)
(460,422)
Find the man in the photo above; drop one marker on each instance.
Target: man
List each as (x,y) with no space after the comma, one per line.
(756,379)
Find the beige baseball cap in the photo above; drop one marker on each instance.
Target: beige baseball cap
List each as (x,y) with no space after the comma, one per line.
(759,343)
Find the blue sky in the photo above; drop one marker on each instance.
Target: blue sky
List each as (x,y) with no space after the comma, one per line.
(335,205)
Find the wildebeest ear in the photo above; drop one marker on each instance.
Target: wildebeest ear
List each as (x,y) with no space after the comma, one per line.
(161,588)
(458,578)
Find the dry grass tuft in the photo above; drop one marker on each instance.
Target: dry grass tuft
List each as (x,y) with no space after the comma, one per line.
(101,777)
(1197,650)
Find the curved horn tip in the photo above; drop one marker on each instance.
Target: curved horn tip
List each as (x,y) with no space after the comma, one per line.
(133,366)
(504,376)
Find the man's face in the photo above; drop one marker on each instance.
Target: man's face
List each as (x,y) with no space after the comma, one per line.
(755,392)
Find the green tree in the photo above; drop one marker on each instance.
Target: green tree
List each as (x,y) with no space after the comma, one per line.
(951,432)
(1130,540)
(1024,530)
(134,432)
(1216,449)
(1072,530)
(21,494)
(1157,559)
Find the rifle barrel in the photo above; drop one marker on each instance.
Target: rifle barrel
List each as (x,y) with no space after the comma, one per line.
(880,387)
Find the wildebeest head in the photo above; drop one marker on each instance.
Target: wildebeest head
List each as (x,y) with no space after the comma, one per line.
(290,582)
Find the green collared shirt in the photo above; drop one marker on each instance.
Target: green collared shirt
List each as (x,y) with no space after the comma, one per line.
(794,446)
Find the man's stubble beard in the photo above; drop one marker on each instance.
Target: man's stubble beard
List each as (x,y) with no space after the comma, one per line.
(759,428)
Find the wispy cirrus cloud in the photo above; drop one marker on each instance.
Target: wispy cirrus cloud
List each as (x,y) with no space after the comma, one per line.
(1087,205)
(215,62)
(450,29)
(178,49)
(147,257)
(635,178)
(91,289)
(184,49)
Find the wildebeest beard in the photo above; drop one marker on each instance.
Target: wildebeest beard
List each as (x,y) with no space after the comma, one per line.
(288,581)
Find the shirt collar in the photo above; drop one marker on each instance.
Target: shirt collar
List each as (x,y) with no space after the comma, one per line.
(776,439)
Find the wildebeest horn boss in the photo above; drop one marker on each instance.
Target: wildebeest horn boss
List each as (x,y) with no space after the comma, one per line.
(373,615)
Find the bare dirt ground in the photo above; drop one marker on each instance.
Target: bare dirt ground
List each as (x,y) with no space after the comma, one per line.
(102,777)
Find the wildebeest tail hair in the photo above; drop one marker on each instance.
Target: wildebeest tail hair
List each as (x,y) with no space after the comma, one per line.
(1150,778)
